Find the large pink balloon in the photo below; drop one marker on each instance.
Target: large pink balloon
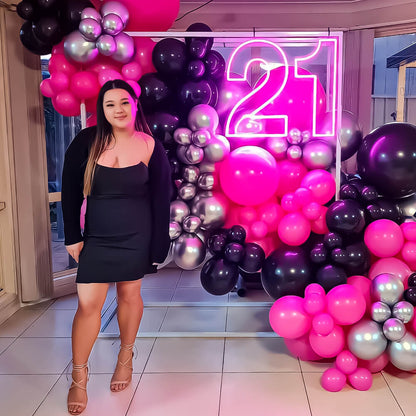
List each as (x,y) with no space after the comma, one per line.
(384,238)
(294,229)
(301,348)
(346,304)
(321,183)
(363,284)
(330,345)
(84,85)
(143,53)
(409,254)
(390,265)
(288,319)
(291,174)
(249,175)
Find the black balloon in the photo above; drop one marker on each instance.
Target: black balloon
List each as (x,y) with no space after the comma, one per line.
(330,276)
(175,167)
(387,159)
(26,10)
(410,295)
(203,91)
(154,91)
(358,258)
(234,252)
(162,125)
(345,217)
(215,64)
(47,4)
(216,244)
(348,191)
(339,255)
(332,240)
(47,29)
(389,210)
(237,234)
(169,57)
(196,69)
(411,280)
(319,254)
(369,194)
(70,13)
(253,258)
(31,42)
(218,276)
(287,271)
(198,47)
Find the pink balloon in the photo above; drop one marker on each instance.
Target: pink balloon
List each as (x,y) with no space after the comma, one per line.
(85,85)
(102,63)
(59,48)
(108,75)
(288,203)
(91,105)
(46,88)
(59,82)
(390,265)
(314,303)
(409,254)
(58,63)
(328,345)
(249,175)
(135,86)
(66,104)
(143,55)
(409,230)
(333,380)
(271,213)
(294,229)
(312,211)
(361,379)
(132,71)
(377,364)
(288,319)
(363,284)
(301,348)
(259,229)
(92,120)
(303,196)
(346,362)
(384,238)
(291,174)
(319,226)
(314,288)
(346,304)
(323,324)
(321,183)
(247,215)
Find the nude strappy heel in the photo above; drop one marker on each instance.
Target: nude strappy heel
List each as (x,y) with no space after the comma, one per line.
(78,385)
(125,347)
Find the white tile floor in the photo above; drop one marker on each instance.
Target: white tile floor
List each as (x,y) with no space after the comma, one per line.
(182,374)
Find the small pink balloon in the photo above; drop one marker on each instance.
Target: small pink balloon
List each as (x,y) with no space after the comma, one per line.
(312,211)
(319,226)
(409,230)
(333,380)
(361,379)
(84,85)
(321,183)
(314,288)
(59,82)
(363,284)
(303,196)
(46,88)
(259,229)
(330,345)
(409,254)
(346,362)
(291,174)
(132,71)
(384,238)
(288,203)
(377,364)
(108,75)
(66,104)
(314,303)
(323,324)
(247,215)
(102,63)
(58,63)
(294,229)
(288,319)
(301,348)
(271,213)
(390,265)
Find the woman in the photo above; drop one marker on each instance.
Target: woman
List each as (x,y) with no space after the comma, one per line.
(125,176)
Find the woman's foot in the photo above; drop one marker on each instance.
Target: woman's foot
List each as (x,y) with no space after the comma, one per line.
(124,369)
(77,395)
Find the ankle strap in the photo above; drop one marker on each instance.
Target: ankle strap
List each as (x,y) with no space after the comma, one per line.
(127,347)
(79,367)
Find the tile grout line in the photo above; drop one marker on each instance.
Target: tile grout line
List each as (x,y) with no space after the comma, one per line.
(304,386)
(391,391)
(222,377)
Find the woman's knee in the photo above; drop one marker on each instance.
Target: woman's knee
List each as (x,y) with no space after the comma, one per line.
(89,307)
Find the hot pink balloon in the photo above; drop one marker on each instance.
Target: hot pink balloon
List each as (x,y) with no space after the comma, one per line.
(361,379)
(409,230)
(46,88)
(377,364)
(319,226)
(288,203)
(58,63)
(294,229)
(333,380)
(84,85)
(390,265)
(108,75)
(314,288)
(409,254)
(330,345)
(323,324)
(301,348)
(92,120)
(59,48)
(249,175)
(59,82)
(247,215)
(303,196)
(291,174)
(315,303)
(346,362)
(132,71)
(143,53)
(321,183)
(259,229)
(103,63)
(271,213)
(288,319)
(363,284)
(66,104)
(345,304)
(384,238)
(312,211)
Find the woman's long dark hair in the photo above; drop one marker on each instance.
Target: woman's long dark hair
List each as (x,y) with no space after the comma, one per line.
(105,131)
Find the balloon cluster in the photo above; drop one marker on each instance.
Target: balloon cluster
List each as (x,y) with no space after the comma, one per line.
(231,254)
(48,21)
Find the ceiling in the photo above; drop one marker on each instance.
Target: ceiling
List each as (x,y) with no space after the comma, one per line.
(273,1)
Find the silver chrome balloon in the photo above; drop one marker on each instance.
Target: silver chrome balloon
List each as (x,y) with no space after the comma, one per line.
(394,329)
(190,174)
(115,7)
(201,194)
(188,251)
(175,230)
(366,340)
(201,137)
(317,154)
(78,49)
(295,136)
(194,154)
(212,210)
(403,310)
(182,135)
(90,29)
(403,353)
(106,45)
(124,48)
(294,152)
(91,13)
(387,288)
(206,166)
(380,312)
(206,181)
(178,210)
(277,146)
(191,224)
(112,24)
(306,136)
(187,191)
(217,149)
(203,116)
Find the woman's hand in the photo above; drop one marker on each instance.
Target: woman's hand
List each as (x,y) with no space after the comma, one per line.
(74,250)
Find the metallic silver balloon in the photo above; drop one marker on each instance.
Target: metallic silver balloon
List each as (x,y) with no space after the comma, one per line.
(203,116)
(366,340)
(277,146)
(124,48)
(306,136)
(188,251)
(182,135)
(212,210)
(407,206)
(175,230)
(79,49)
(206,166)
(403,353)
(90,29)
(115,7)
(187,191)
(394,329)
(194,154)
(106,45)
(190,174)
(317,154)
(180,153)
(387,288)
(217,149)
(178,210)
(380,312)
(199,195)
(206,181)
(191,224)
(294,152)
(91,13)
(403,310)
(112,24)
(201,137)
(295,136)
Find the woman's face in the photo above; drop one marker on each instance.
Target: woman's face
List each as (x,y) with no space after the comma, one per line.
(120,109)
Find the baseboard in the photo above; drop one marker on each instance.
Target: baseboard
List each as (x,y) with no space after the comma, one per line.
(64,285)
(9,304)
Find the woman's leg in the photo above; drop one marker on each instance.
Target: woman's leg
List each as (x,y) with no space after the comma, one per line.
(129,315)
(85,329)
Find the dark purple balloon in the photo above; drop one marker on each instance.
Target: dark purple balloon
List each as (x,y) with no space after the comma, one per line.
(237,234)
(368,194)
(345,217)
(47,29)
(253,258)
(330,276)
(411,280)
(169,57)
(218,276)
(348,191)
(216,244)
(215,64)
(410,295)
(358,258)
(196,69)
(203,91)
(31,42)
(70,13)
(154,91)
(332,240)
(339,255)
(319,254)
(162,125)
(198,47)
(234,252)
(26,10)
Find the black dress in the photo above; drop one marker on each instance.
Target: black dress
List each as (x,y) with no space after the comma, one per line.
(127,217)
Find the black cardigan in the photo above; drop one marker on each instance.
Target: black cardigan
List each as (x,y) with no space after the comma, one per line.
(75,162)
